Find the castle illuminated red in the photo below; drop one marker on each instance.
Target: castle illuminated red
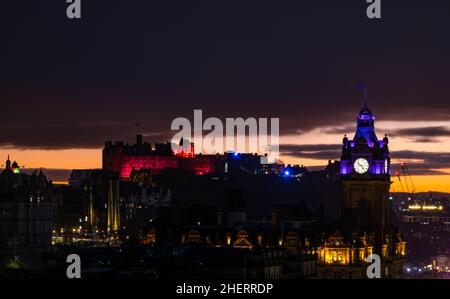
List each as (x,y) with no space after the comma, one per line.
(123,158)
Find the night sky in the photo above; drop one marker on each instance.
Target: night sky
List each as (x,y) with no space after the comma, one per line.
(66,85)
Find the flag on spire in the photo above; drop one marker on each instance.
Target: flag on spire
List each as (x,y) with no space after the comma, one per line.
(363,87)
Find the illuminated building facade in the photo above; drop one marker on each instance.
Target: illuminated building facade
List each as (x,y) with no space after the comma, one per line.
(339,258)
(124,158)
(366,228)
(425,222)
(113,222)
(425,212)
(101,201)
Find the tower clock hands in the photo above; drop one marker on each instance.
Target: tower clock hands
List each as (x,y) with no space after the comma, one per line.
(361,165)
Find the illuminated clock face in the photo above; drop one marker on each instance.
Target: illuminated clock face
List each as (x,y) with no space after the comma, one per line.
(361,165)
(386,165)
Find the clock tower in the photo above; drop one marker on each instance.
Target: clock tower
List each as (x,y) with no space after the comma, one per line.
(365,180)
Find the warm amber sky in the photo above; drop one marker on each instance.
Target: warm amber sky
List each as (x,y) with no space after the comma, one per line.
(318,156)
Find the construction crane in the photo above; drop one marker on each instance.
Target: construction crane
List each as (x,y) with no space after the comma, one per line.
(407,180)
(400,181)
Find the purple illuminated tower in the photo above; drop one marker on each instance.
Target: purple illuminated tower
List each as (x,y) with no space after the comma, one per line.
(365,155)
(365,180)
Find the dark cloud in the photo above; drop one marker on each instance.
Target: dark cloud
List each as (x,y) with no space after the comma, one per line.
(309,147)
(423,134)
(425,140)
(65,136)
(437,131)
(339,130)
(311,151)
(438,157)
(417,169)
(153,61)
(285,130)
(422,163)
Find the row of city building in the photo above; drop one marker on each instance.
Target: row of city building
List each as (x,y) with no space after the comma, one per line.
(425,222)
(231,214)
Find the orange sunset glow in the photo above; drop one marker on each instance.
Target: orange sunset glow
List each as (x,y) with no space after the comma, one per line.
(69,159)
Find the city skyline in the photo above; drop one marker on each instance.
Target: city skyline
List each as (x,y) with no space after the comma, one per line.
(239,142)
(92,79)
(314,156)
